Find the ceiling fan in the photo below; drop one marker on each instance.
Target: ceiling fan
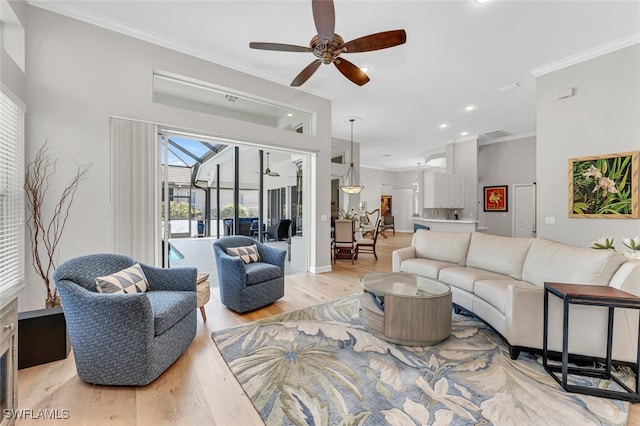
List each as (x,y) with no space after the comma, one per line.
(268,171)
(328,46)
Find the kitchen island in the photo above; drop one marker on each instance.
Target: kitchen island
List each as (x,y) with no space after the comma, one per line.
(462,225)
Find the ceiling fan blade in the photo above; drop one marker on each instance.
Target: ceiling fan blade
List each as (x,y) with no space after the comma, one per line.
(279,47)
(306,73)
(376,41)
(324,15)
(352,72)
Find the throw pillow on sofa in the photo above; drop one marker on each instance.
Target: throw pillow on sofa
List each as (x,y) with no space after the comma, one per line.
(248,254)
(129,280)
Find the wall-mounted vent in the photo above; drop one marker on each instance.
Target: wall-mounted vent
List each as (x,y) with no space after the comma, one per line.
(497,134)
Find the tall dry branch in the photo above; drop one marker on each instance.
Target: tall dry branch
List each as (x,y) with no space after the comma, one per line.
(45,236)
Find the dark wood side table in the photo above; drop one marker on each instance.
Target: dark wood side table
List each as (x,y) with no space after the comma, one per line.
(593,295)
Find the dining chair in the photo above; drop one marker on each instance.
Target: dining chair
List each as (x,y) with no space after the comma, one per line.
(371,222)
(368,245)
(388,222)
(344,243)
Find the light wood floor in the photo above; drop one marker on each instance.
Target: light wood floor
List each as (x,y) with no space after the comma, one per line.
(199,388)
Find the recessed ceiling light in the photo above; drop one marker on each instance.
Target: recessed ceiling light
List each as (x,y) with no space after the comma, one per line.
(509,87)
(289,114)
(470,108)
(444,125)
(481,1)
(464,133)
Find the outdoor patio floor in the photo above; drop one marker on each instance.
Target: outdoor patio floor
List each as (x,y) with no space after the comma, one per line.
(198,252)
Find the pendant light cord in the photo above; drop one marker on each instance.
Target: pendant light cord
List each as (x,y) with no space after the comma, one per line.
(351,158)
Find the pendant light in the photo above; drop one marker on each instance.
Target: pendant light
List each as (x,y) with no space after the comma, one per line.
(351,181)
(416,182)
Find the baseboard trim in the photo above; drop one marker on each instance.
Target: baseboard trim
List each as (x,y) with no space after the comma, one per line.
(320,269)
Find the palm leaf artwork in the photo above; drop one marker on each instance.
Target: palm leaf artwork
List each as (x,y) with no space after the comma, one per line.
(604,186)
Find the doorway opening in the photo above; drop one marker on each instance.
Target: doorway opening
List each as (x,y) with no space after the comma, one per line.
(211,188)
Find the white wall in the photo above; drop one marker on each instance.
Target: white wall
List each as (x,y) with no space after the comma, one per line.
(374,180)
(338,171)
(602,118)
(397,184)
(504,163)
(12,77)
(79,75)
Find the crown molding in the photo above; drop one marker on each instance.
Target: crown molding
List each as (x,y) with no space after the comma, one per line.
(587,54)
(508,138)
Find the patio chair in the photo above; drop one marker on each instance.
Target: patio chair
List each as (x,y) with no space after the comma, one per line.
(250,278)
(129,338)
(279,231)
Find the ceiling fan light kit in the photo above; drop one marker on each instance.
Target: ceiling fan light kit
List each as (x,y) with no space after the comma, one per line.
(327,46)
(351,181)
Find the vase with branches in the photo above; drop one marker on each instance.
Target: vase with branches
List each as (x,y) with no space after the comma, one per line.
(45,233)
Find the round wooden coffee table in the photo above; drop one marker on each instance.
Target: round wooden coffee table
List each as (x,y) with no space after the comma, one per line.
(405,308)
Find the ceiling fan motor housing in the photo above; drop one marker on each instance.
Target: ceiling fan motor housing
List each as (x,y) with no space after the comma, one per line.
(327,51)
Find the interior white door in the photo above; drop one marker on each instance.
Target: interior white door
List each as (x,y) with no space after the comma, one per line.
(524,210)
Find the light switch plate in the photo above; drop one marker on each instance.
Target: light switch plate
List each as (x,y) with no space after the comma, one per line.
(550,220)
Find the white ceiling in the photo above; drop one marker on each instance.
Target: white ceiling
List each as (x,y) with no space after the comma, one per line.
(457,53)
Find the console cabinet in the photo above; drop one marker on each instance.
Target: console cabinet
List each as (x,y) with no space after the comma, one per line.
(8,362)
(443,191)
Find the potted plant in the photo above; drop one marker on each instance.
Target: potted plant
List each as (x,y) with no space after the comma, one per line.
(42,334)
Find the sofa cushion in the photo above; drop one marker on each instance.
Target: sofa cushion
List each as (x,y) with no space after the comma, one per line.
(504,255)
(556,262)
(495,291)
(260,272)
(424,267)
(465,277)
(129,280)
(248,254)
(169,307)
(445,246)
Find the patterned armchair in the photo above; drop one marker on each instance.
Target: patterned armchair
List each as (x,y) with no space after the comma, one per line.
(248,286)
(126,339)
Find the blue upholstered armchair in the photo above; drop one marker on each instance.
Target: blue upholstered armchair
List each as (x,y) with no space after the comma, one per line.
(245,287)
(126,339)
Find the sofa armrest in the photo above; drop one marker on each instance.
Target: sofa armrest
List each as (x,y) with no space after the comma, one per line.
(174,279)
(524,312)
(401,255)
(587,325)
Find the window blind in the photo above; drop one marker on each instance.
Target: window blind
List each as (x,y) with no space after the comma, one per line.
(12,231)
(135,184)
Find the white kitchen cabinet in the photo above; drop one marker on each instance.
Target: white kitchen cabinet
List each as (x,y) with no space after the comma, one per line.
(458,191)
(443,191)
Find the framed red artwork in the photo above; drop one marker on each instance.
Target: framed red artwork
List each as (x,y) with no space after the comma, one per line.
(495,198)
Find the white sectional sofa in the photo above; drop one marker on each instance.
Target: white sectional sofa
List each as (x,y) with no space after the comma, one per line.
(501,280)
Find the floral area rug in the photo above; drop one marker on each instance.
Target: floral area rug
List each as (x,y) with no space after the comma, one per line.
(319,366)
